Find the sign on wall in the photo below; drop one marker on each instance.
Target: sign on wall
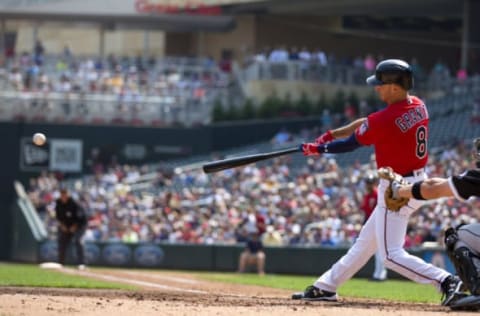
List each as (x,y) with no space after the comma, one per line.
(64,155)
(33,157)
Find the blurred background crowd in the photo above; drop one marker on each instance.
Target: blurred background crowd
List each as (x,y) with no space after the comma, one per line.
(308,202)
(39,86)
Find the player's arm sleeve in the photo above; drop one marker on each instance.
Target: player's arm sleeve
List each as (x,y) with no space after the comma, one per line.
(453,182)
(340,145)
(368,132)
(465,185)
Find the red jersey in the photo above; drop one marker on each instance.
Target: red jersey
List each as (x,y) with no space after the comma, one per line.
(369,203)
(399,134)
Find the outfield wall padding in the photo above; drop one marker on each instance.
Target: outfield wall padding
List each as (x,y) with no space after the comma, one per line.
(280,260)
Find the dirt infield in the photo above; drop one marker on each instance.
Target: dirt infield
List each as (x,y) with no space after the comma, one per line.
(169,293)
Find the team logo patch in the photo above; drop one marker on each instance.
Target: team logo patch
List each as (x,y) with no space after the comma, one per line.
(363,128)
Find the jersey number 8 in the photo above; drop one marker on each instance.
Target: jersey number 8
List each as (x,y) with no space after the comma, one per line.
(421,141)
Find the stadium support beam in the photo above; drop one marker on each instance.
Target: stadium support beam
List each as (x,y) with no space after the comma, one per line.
(146,44)
(465,34)
(35,27)
(201,43)
(101,42)
(2,37)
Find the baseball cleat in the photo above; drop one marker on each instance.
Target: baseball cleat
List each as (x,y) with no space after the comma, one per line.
(451,288)
(466,302)
(313,293)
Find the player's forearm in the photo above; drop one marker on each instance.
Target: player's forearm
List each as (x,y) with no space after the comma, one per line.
(340,145)
(432,188)
(348,129)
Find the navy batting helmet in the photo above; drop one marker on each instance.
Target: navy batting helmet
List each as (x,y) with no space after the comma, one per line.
(392,71)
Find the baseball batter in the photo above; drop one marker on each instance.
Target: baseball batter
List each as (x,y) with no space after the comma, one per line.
(399,135)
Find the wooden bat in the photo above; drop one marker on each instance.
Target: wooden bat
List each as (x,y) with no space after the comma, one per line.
(220,165)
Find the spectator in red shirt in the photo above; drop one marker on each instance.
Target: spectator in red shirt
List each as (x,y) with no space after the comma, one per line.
(260,223)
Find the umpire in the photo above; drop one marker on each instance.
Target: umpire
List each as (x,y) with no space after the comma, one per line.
(72,223)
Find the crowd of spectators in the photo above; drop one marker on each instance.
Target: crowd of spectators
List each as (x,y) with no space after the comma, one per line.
(60,82)
(317,204)
(66,87)
(117,75)
(436,77)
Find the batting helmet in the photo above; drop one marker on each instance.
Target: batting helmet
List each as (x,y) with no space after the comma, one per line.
(392,71)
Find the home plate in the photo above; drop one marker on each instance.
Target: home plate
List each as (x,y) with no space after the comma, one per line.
(50,265)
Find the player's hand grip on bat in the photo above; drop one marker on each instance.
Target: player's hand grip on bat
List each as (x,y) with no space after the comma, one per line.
(309,149)
(324,138)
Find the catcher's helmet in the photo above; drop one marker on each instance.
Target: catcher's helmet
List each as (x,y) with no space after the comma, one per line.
(392,71)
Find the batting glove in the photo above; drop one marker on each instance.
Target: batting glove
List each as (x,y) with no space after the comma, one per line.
(309,149)
(324,138)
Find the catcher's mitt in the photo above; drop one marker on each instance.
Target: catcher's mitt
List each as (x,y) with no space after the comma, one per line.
(393,203)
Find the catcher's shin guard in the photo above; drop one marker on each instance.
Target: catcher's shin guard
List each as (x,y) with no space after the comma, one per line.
(466,261)
(468,302)
(466,264)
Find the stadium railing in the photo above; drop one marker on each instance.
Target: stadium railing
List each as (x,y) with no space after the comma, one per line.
(30,213)
(57,107)
(348,75)
(29,230)
(302,70)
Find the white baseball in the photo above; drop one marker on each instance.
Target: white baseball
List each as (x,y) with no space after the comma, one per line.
(39,139)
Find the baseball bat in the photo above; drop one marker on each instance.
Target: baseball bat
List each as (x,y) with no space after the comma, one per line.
(220,165)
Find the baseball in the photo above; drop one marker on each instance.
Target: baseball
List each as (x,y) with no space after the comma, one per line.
(39,139)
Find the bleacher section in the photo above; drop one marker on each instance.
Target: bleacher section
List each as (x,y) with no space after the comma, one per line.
(133,91)
(191,207)
(142,91)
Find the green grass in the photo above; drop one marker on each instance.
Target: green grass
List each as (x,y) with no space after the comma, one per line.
(395,290)
(32,275)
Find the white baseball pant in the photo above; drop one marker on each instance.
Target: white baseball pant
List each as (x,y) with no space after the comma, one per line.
(384,230)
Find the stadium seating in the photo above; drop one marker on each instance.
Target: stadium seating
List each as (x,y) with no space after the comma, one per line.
(126,91)
(308,201)
(172,90)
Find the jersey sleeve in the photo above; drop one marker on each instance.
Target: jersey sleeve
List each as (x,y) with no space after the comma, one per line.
(466,184)
(368,132)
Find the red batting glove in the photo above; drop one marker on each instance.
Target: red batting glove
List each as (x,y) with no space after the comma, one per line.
(310,149)
(325,138)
